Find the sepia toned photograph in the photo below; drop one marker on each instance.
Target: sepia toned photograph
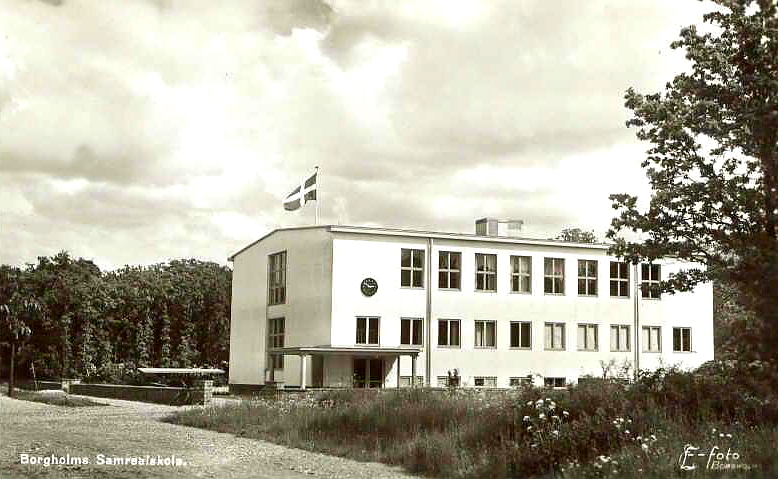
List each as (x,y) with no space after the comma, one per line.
(388,239)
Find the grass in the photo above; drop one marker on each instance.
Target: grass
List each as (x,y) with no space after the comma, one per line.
(55,399)
(595,430)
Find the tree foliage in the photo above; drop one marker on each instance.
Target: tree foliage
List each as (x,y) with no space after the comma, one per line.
(103,325)
(577,235)
(713,162)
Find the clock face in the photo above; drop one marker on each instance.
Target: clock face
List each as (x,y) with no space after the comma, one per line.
(369,286)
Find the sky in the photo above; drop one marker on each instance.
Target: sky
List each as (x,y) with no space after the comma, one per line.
(135,132)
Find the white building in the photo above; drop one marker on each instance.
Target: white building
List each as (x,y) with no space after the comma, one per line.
(333,306)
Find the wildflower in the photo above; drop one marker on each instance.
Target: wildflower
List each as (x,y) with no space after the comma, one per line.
(645,447)
(639,438)
(533,445)
(555,433)
(626,431)
(565,413)
(542,416)
(529,428)
(526,418)
(721,434)
(729,436)
(604,458)
(529,403)
(653,438)
(555,417)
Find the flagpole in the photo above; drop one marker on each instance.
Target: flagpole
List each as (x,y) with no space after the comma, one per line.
(318,195)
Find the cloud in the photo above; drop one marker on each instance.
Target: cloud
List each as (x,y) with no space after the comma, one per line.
(178,132)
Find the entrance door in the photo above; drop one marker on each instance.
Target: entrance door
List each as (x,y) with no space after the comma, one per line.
(318,371)
(368,373)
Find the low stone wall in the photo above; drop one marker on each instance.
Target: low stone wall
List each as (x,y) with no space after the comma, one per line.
(200,394)
(38,385)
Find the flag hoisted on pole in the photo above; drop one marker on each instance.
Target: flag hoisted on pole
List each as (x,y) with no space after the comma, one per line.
(307,191)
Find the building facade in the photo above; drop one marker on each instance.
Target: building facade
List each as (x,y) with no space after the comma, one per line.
(341,306)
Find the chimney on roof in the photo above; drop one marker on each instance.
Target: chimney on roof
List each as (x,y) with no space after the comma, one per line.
(495,227)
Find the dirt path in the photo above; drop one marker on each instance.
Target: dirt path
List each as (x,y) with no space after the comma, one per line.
(125,428)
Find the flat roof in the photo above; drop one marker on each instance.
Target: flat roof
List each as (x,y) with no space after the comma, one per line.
(351,350)
(432,234)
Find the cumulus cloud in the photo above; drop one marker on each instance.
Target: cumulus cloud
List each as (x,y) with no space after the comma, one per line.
(134,132)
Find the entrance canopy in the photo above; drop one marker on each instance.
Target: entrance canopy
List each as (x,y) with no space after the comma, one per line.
(351,350)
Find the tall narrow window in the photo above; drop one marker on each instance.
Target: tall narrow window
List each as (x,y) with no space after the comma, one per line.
(587,277)
(275,341)
(682,340)
(276,278)
(521,274)
(587,337)
(650,276)
(555,336)
(449,269)
(619,279)
(367,330)
(412,268)
(652,339)
(554,275)
(485,272)
(448,332)
(411,332)
(484,334)
(619,337)
(521,334)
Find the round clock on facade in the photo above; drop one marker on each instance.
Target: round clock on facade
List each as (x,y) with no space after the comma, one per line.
(369,286)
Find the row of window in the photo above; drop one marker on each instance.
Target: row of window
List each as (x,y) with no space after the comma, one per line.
(450,274)
(489,381)
(485,335)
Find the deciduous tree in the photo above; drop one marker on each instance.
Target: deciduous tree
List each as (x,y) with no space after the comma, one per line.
(713,163)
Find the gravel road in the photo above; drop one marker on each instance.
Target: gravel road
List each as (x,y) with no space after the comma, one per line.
(125,428)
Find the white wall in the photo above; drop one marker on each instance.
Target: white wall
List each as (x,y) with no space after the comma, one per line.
(357,256)
(306,310)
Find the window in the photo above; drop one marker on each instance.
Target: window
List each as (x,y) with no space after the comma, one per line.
(650,274)
(448,332)
(587,277)
(555,336)
(411,332)
(587,337)
(449,270)
(405,381)
(484,334)
(652,339)
(275,341)
(682,340)
(521,381)
(448,381)
(521,274)
(619,337)
(485,272)
(367,330)
(485,381)
(554,382)
(619,279)
(276,278)
(412,268)
(521,335)
(554,275)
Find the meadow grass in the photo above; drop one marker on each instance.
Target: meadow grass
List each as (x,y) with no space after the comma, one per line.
(596,430)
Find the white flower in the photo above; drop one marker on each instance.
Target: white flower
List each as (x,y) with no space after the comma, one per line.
(565,413)
(555,433)
(529,428)
(526,418)
(533,445)
(626,431)
(604,458)
(555,418)
(653,438)
(645,447)
(729,436)
(639,438)
(542,416)
(529,403)
(721,434)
